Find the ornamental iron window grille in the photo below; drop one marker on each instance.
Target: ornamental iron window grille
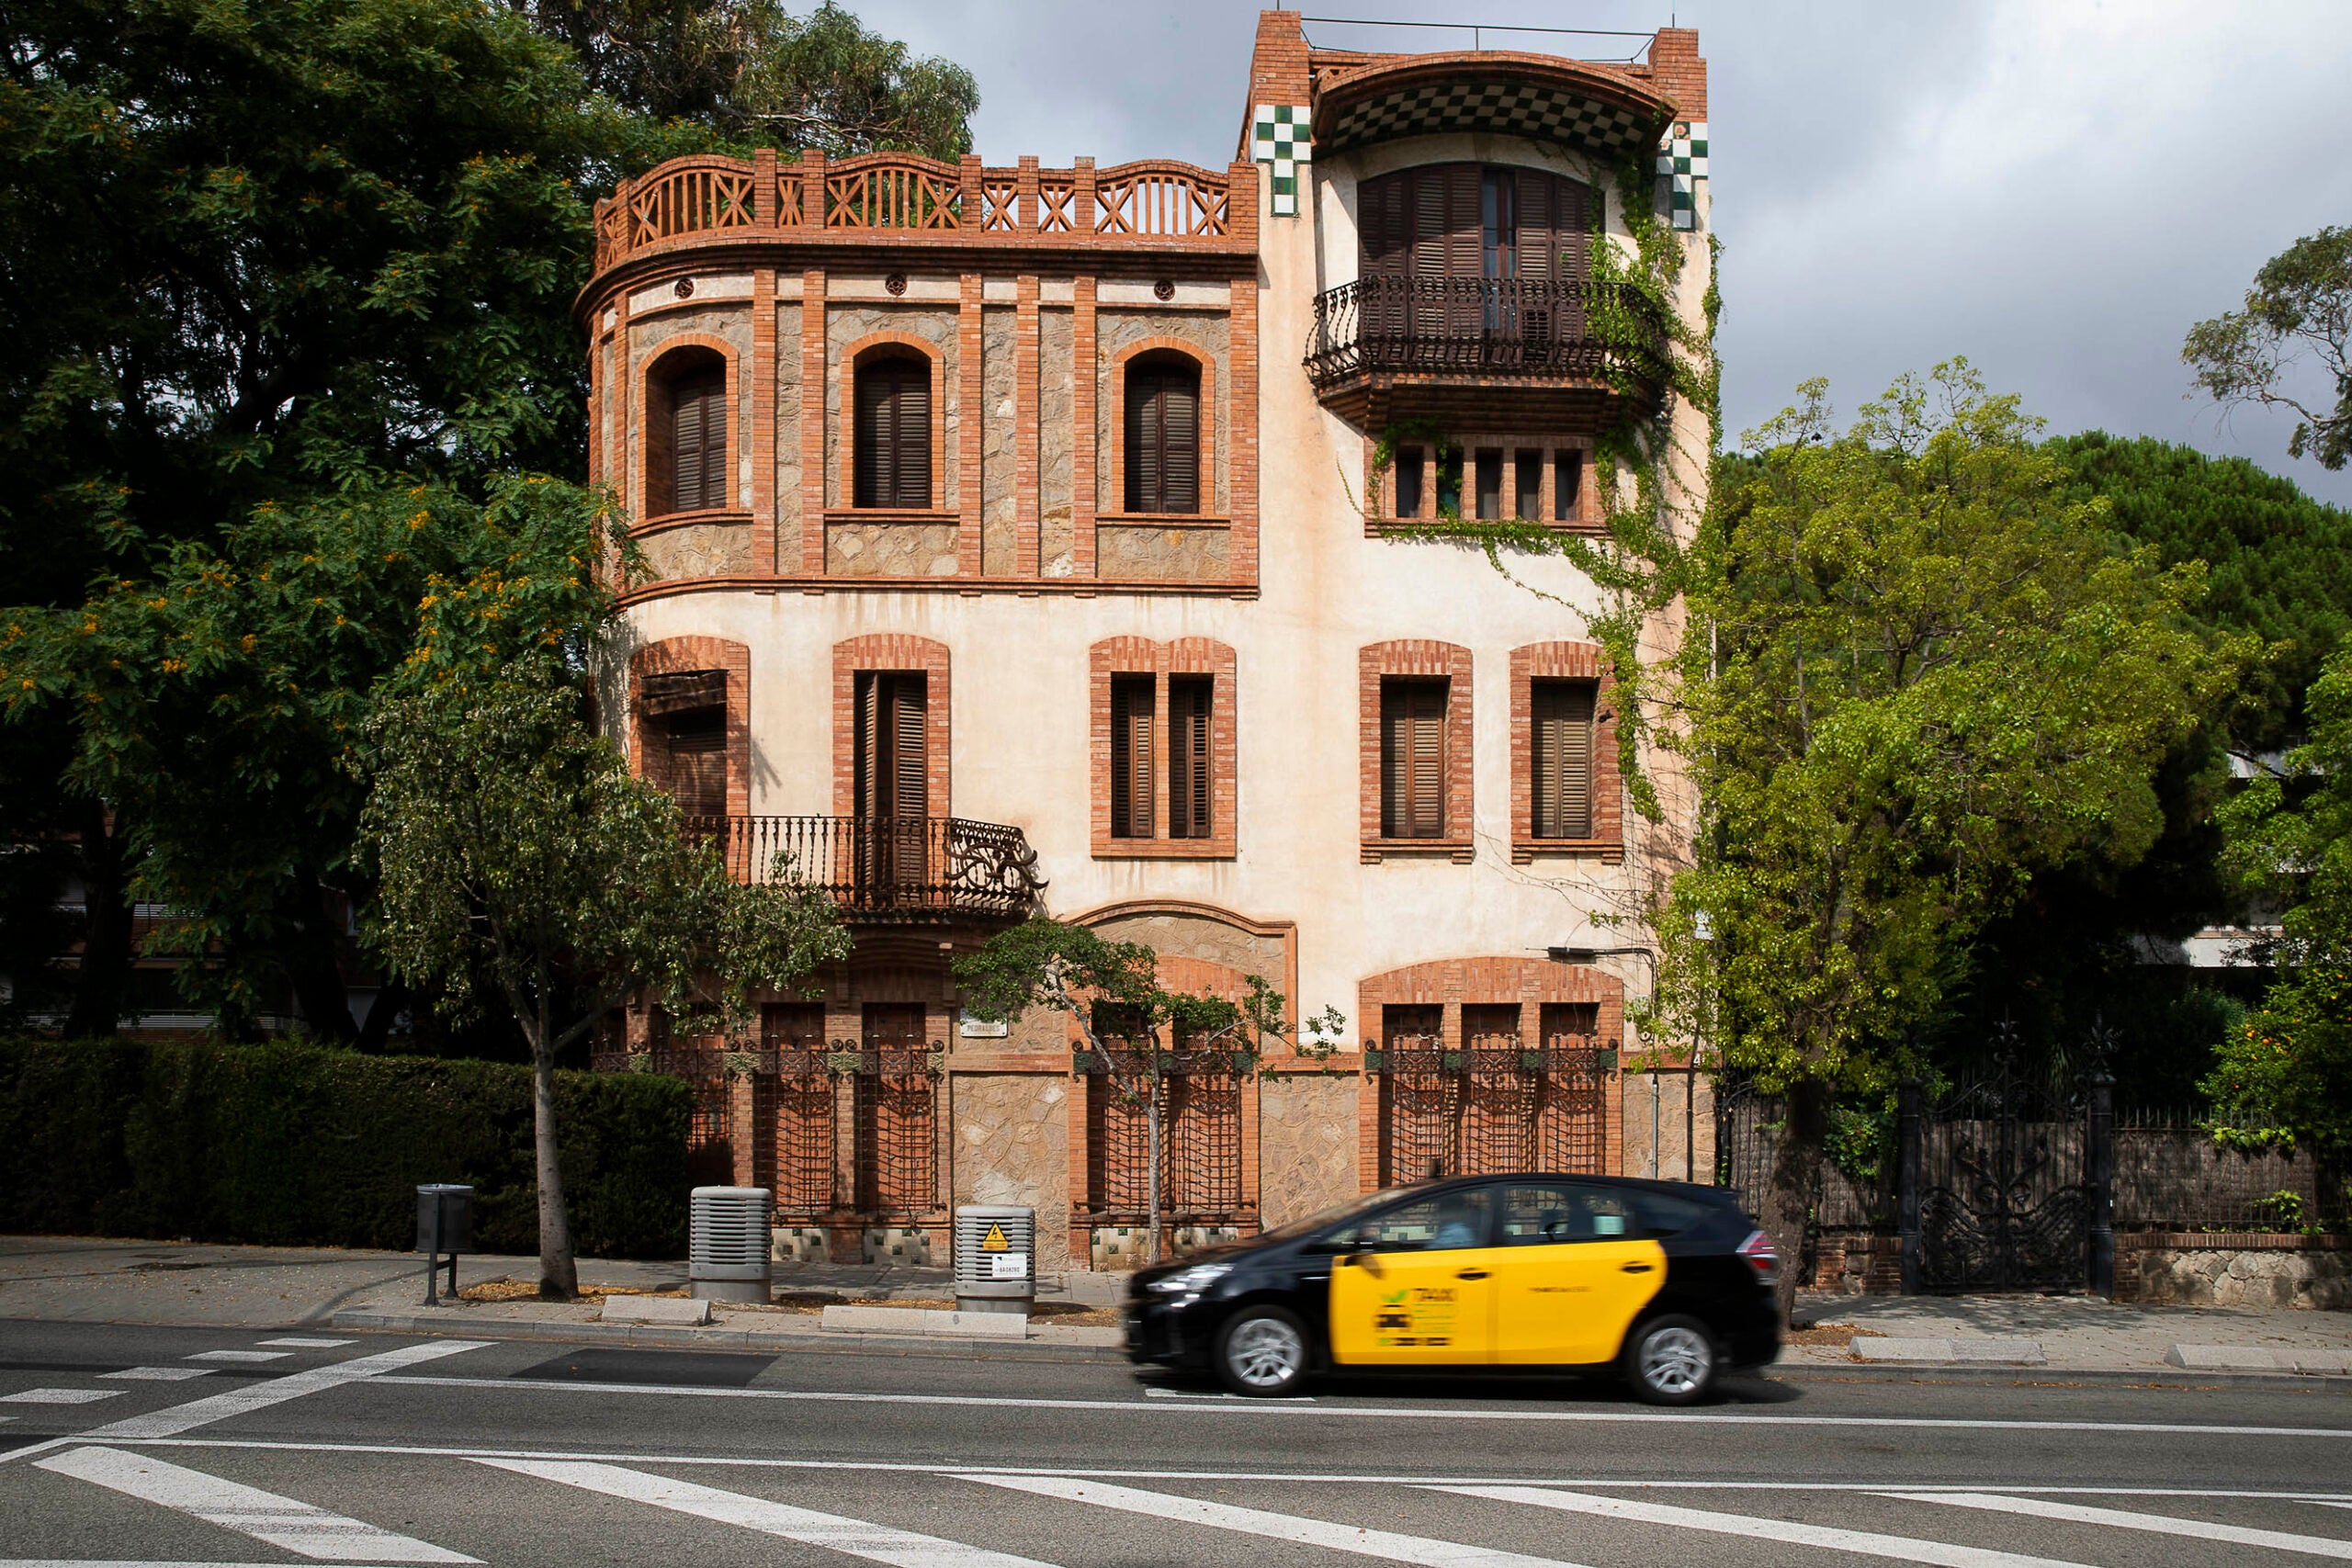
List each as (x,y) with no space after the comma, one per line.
(896,1113)
(1495,1105)
(1200,1118)
(793,1109)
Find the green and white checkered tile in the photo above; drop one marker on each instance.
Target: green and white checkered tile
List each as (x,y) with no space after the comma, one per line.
(1681,164)
(1279,135)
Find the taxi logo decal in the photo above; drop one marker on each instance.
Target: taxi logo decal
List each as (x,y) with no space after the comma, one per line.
(1418,1317)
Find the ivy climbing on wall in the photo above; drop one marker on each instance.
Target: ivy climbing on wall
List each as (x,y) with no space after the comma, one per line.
(1654,362)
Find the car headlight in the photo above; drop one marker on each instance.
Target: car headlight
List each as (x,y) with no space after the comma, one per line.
(1194,1281)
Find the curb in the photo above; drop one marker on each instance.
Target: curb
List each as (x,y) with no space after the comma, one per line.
(2015,1376)
(960,1347)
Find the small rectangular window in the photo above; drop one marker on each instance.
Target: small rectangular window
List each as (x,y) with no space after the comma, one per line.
(1410,464)
(1490,484)
(1188,756)
(1132,795)
(1560,759)
(1528,473)
(1567,481)
(1449,481)
(1412,758)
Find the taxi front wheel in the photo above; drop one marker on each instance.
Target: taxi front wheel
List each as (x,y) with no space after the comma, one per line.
(1261,1351)
(1671,1361)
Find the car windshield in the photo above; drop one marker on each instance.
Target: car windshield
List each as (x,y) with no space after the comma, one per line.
(1327,1218)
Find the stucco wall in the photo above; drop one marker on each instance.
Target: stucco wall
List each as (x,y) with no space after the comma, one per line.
(1011,1137)
(1306,1144)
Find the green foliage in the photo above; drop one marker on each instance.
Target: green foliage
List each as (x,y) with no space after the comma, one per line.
(2290,838)
(214,701)
(1929,677)
(2278,564)
(2300,306)
(519,857)
(290,1145)
(756,73)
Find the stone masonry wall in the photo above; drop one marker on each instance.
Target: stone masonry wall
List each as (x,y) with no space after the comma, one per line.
(1011,1146)
(1306,1144)
(1057,540)
(999,534)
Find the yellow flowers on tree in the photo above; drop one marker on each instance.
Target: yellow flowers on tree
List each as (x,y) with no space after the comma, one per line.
(1914,674)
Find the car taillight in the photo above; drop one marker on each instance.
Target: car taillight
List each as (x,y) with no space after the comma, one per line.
(1758,1252)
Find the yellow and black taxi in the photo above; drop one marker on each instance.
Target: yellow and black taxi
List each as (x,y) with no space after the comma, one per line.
(1670,1282)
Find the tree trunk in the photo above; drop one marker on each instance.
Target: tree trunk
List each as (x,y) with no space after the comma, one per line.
(102,985)
(559,1271)
(391,999)
(310,960)
(1795,1178)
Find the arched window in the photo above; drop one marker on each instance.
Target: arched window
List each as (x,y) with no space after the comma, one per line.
(893,433)
(686,470)
(1163,434)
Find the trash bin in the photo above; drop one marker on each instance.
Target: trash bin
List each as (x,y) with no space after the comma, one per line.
(996,1251)
(445,1223)
(727,1248)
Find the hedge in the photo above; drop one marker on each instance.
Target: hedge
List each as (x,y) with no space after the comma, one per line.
(296,1145)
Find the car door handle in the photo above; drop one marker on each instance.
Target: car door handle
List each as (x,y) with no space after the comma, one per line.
(1471,1274)
(1639,1268)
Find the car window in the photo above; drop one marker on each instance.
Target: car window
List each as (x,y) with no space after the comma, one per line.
(1540,1213)
(1664,1214)
(1442,1222)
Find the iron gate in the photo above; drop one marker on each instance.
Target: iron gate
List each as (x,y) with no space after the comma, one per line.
(2003,1189)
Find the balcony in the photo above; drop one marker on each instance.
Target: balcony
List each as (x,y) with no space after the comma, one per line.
(887,869)
(1501,349)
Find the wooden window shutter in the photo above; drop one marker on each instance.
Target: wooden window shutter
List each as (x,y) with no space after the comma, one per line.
(891,466)
(1188,699)
(692,760)
(1131,793)
(1146,429)
(1384,238)
(910,747)
(1560,755)
(1535,218)
(867,748)
(1179,463)
(1412,758)
(698,476)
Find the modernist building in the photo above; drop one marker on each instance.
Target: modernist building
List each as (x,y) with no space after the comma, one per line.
(1017,540)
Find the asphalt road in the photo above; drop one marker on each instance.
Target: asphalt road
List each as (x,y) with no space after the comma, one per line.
(312,1446)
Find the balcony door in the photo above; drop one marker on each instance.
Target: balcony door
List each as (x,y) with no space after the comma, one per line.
(893,785)
(1458,261)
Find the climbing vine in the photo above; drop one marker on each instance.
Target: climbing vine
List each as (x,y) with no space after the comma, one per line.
(1637,559)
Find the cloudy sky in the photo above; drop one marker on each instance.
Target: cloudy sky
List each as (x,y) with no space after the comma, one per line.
(2055,189)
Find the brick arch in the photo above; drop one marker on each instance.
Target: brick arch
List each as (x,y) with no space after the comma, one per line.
(1450,984)
(1572,662)
(1185,655)
(652,440)
(1285,932)
(1423,657)
(1202,358)
(891,651)
(855,354)
(675,654)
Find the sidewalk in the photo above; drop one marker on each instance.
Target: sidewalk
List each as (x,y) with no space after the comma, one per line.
(2064,1334)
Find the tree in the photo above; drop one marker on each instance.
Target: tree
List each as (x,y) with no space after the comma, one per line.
(517,856)
(1917,676)
(2300,305)
(211,702)
(2291,837)
(1112,988)
(258,256)
(754,73)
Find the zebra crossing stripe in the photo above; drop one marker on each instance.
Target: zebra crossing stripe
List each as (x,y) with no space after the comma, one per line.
(2118,1518)
(1385,1544)
(1903,1549)
(856,1538)
(171,1422)
(265,1516)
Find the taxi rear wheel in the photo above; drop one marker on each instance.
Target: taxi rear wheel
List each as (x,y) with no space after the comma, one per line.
(1262,1351)
(1671,1361)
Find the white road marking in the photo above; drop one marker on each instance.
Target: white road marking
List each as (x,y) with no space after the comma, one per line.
(1208,1393)
(1377,1412)
(265,1516)
(178,1419)
(160,1374)
(241,1355)
(1293,1527)
(125,1562)
(2116,1519)
(60,1396)
(1339,1478)
(1751,1526)
(875,1543)
(298,1343)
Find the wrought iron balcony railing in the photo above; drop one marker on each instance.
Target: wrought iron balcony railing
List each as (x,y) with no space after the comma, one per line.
(1474,326)
(886,868)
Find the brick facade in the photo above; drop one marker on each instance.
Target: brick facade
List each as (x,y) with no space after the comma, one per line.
(1416,656)
(1574,661)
